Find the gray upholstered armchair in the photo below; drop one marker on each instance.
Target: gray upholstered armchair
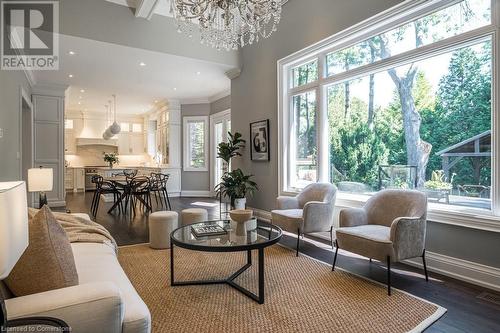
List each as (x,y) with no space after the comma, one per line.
(390,227)
(310,211)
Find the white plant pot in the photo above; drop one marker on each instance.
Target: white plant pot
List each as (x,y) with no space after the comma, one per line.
(240,203)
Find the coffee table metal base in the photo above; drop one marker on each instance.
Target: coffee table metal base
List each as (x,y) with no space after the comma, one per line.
(230,280)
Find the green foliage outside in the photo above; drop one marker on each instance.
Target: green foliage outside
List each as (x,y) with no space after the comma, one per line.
(363,135)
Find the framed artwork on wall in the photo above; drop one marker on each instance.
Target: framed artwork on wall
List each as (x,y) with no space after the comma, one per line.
(259,141)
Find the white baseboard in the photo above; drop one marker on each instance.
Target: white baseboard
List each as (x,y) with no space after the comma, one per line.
(464,270)
(196,194)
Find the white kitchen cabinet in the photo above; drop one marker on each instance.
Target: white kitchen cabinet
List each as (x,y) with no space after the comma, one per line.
(74,179)
(124,143)
(136,144)
(69,142)
(79,179)
(68,179)
(130,144)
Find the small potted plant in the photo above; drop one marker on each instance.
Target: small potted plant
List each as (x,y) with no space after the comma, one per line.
(236,185)
(111,159)
(437,187)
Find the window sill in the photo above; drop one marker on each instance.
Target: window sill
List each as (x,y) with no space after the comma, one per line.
(474,218)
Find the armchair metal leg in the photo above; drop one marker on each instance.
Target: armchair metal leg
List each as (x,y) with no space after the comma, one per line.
(389,275)
(331,236)
(335,256)
(425,267)
(298,242)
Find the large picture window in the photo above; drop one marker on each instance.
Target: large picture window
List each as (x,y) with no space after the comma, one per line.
(409,107)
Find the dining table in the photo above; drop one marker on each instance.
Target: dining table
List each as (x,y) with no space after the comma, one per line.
(124,183)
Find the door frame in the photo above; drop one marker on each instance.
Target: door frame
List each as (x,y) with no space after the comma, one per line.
(24,97)
(214,118)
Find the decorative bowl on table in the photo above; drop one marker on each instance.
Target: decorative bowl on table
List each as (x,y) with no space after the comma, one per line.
(244,221)
(241,215)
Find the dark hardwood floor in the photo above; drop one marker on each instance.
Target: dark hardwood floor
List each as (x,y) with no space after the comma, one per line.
(466,312)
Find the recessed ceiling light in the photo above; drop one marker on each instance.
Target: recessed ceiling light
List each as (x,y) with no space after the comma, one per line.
(71,52)
(156,101)
(79,103)
(142,64)
(175,89)
(82,91)
(198,73)
(70,76)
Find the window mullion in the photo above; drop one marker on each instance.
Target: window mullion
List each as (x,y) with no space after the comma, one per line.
(444,46)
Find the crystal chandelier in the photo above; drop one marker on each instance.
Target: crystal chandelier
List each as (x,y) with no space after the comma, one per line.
(227,24)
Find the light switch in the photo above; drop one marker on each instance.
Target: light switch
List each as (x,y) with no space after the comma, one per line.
(1,133)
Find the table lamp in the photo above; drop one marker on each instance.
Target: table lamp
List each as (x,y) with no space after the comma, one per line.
(14,239)
(13,229)
(40,180)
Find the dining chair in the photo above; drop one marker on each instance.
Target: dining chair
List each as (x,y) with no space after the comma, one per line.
(130,173)
(103,187)
(140,190)
(159,188)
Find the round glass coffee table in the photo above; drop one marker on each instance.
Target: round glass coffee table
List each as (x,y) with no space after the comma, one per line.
(257,236)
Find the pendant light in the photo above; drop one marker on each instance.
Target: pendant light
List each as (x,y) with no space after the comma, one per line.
(107,133)
(115,127)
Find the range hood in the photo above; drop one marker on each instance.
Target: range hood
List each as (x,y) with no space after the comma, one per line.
(96,142)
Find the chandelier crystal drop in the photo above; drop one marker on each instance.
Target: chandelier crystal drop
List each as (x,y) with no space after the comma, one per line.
(227,24)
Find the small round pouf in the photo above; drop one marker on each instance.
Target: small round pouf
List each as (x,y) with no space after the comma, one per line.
(161,224)
(194,215)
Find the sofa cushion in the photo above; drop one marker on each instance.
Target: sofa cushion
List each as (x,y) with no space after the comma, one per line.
(372,241)
(288,219)
(98,263)
(48,261)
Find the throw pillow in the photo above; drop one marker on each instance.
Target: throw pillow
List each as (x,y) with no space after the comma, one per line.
(48,262)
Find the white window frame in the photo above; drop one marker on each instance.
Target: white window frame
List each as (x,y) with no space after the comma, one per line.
(186,143)
(214,119)
(405,12)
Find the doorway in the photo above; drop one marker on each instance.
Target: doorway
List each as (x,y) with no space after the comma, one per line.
(220,124)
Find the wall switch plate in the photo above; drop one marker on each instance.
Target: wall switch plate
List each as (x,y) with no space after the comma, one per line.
(1,133)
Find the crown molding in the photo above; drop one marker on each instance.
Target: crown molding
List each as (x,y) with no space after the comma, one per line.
(194,101)
(50,89)
(220,95)
(233,73)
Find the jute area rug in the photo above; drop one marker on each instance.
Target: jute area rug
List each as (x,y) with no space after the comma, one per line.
(302,295)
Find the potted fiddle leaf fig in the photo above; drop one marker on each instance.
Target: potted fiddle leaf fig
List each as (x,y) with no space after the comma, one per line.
(227,150)
(235,184)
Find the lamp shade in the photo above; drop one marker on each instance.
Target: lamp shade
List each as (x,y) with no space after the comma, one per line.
(40,179)
(13,225)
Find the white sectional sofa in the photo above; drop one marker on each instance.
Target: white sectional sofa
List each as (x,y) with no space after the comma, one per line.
(104,301)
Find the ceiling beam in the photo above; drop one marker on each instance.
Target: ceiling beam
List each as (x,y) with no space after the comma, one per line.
(146,8)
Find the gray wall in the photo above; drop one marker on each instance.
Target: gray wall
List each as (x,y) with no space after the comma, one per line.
(254,97)
(10,81)
(194,180)
(220,105)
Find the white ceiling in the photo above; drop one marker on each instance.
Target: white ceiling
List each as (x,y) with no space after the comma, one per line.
(103,69)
